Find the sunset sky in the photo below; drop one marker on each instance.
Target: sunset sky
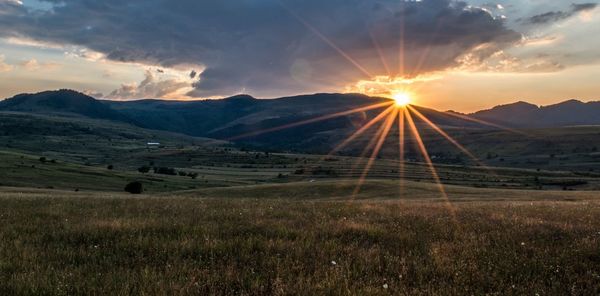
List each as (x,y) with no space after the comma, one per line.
(459,55)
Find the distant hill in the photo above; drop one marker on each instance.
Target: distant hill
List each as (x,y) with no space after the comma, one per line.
(99,131)
(65,102)
(522,114)
(242,115)
(224,118)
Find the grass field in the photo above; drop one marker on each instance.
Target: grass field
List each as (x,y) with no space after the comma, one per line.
(264,223)
(217,241)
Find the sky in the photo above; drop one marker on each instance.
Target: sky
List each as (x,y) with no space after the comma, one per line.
(449,55)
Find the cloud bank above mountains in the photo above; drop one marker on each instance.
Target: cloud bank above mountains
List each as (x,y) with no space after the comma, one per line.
(272,47)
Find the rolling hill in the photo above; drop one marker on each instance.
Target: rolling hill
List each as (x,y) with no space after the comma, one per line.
(62,102)
(213,118)
(242,115)
(526,115)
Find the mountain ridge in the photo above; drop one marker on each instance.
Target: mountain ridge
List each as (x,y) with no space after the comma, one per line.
(223,118)
(526,115)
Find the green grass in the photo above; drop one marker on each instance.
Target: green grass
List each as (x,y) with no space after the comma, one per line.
(236,168)
(24,170)
(257,223)
(62,243)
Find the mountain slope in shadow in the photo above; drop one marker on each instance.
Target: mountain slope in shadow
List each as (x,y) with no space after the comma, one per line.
(62,102)
(522,114)
(244,115)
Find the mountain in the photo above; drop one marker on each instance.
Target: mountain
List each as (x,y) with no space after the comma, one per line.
(244,115)
(522,114)
(220,119)
(62,102)
(226,117)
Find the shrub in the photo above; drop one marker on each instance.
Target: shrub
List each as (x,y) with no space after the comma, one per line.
(144,169)
(165,171)
(134,187)
(110,167)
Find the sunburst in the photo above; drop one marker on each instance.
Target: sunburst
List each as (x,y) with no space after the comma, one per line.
(401,99)
(399,109)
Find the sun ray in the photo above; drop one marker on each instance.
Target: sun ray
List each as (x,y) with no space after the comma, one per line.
(356,134)
(370,145)
(328,41)
(401,158)
(360,131)
(448,137)
(380,140)
(401,45)
(428,161)
(379,52)
(312,120)
(372,142)
(425,53)
(483,122)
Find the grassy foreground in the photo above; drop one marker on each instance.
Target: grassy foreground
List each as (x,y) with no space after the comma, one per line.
(59,243)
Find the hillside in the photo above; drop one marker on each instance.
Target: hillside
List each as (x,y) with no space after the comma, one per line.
(244,115)
(522,114)
(236,115)
(63,102)
(226,118)
(85,140)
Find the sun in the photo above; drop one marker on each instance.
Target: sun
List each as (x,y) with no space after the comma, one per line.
(401,99)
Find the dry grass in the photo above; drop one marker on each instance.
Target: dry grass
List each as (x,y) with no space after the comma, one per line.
(58,243)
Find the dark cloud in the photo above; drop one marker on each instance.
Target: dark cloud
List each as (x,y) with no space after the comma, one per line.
(554,16)
(584,6)
(269,46)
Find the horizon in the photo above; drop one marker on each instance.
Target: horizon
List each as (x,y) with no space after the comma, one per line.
(311,94)
(450,55)
(310,147)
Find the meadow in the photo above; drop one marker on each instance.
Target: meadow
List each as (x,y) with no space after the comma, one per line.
(253,222)
(211,241)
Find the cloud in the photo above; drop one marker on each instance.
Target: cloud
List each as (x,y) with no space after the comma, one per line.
(267,47)
(151,87)
(34,65)
(4,67)
(584,6)
(502,61)
(554,16)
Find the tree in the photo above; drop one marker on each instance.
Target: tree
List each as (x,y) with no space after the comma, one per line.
(165,171)
(144,169)
(134,187)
